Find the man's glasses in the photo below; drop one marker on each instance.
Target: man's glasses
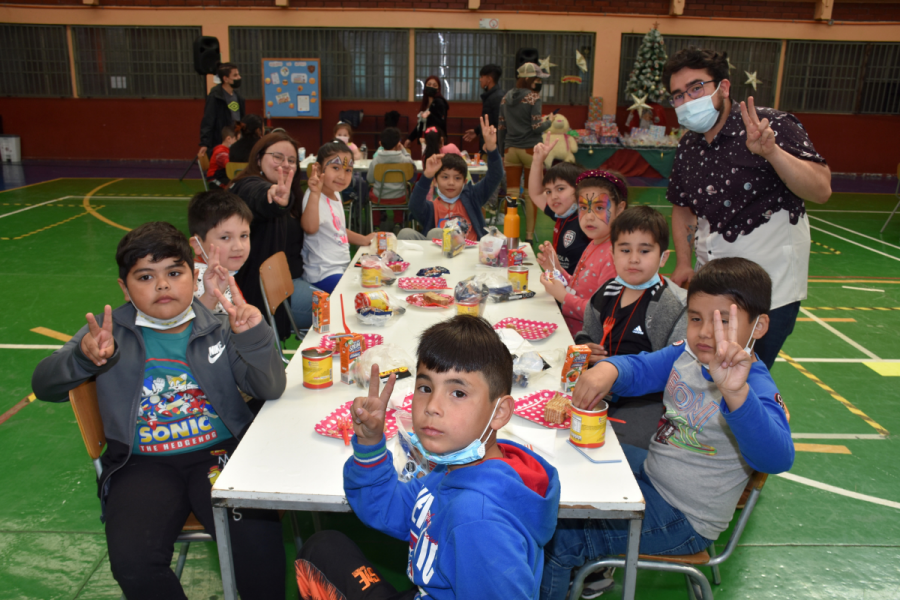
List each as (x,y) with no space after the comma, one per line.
(278,159)
(694,91)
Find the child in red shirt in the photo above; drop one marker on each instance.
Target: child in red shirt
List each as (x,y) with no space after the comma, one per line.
(216,175)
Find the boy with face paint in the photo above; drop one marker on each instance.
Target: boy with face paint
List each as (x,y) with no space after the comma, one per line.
(647,312)
(476,524)
(168,373)
(724,418)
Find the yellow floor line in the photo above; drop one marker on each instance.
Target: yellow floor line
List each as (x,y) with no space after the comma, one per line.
(883,308)
(25,235)
(822,448)
(884,369)
(878,281)
(56,335)
(87,205)
(828,320)
(847,404)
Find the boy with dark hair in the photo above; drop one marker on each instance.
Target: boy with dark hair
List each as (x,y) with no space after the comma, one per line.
(391,152)
(454,199)
(216,174)
(167,375)
(724,419)
(647,312)
(219,224)
(477,522)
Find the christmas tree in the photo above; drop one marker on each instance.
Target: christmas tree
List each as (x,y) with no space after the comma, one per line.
(645,80)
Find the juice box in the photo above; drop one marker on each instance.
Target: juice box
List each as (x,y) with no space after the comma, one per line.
(515,257)
(576,362)
(350,348)
(382,242)
(321,312)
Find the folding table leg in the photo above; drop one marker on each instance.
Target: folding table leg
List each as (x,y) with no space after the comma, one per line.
(631,558)
(223,541)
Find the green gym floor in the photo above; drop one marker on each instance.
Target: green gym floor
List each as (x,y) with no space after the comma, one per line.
(828,529)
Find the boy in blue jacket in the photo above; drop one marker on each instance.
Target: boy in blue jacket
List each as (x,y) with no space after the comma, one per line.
(724,418)
(477,523)
(453,198)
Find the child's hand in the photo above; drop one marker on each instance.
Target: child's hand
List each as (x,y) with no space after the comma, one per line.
(731,364)
(547,258)
(98,343)
(368,412)
(489,133)
(433,165)
(542,151)
(598,353)
(554,287)
(216,276)
(593,385)
(280,193)
(241,315)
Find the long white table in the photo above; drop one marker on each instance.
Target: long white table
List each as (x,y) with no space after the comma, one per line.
(282,463)
(362,165)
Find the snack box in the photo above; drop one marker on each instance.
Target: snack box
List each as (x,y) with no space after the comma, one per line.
(321,312)
(576,361)
(515,257)
(350,348)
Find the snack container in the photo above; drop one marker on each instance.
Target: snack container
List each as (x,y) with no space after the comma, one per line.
(576,361)
(470,307)
(588,427)
(377,300)
(371,276)
(321,312)
(453,240)
(518,277)
(350,349)
(515,257)
(384,242)
(316,368)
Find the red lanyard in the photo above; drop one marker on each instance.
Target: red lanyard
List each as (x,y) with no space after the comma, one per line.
(625,329)
(560,225)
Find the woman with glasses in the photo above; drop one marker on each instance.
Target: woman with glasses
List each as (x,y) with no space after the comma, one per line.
(271,189)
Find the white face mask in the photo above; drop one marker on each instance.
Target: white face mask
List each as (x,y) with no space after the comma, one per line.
(698,115)
(748,347)
(142,319)
(343,138)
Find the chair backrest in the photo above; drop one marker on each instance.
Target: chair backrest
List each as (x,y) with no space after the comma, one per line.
(394,172)
(87,413)
(276,281)
(233,168)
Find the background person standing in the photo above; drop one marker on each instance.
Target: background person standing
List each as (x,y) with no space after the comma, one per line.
(224,106)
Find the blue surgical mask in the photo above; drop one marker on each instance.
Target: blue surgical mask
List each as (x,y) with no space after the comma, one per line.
(474,451)
(447,199)
(641,286)
(568,213)
(698,115)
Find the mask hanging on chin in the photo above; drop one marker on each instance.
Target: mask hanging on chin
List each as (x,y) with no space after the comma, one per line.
(142,319)
(698,115)
(448,199)
(568,213)
(474,451)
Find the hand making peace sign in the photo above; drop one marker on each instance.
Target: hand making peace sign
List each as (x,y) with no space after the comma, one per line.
(760,137)
(542,150)
(368,412)
(216,276)
(489,133)
(433,165)
(314,181)
(280,193)
(241,315)
(731,364)
(98,343)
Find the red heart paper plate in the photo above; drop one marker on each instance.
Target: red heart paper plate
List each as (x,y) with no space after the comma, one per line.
(422,284)
(531,407)
(530,330)
(330,425)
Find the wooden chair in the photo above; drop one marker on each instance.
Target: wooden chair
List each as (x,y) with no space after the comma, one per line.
(87,413)
(392,173)
(688,564)
(203,162)
(277,286)
(896,193)
(233,168)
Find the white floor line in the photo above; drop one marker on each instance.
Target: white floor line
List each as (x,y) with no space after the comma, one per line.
(839,360)
(849,287)
(853,212)
(840,491)
(859,347)
(148,198)
(30,346)
(868,237)
(837,436)
(854,243)
(9,214)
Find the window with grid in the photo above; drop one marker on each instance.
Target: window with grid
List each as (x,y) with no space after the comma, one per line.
(34,60)
(357,64)
(841,77)
(137,62)
(746,55)
(457,57)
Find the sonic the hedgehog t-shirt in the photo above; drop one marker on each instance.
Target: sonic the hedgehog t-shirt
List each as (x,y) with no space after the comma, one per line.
(174,415)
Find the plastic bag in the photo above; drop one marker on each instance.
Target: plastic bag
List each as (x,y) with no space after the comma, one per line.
(526,367)
(489,247)
(382,242)
(377,308)
(496,282)
(376,270)
(454,241)
(389,358)
(409,462)
(470,296)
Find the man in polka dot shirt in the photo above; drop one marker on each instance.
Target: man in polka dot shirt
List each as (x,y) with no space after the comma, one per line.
(738,185)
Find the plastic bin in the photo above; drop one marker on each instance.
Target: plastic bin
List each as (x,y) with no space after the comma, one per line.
(10,148)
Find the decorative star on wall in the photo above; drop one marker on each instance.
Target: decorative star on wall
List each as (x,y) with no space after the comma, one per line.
(580,61)
(731,67)
(546,64)
(640,104)
(752,79)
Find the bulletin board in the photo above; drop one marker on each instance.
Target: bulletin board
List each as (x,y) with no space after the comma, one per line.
(292,88)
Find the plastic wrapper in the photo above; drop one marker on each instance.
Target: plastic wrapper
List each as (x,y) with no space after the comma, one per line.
(377,308)
(527,367)
(408,461)
(433,272)
(470,296)
(454,241)
(489,247)
(389,358)
(387,275)
(382,242)
(496,282)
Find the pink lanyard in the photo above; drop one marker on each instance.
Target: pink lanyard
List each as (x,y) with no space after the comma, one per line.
(337,223)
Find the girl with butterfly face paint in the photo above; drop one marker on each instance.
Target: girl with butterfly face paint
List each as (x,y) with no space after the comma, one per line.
(326,245)
(602,196)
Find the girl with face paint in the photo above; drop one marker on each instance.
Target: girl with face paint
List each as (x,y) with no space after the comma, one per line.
(602,196)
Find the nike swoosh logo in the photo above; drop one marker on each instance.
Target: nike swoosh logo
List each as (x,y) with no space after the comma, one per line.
(214,353)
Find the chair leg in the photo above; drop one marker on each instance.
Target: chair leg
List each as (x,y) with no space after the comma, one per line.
(717,576)
(695,576)
(295,529)
(182,557)
(890,216)
(690,587)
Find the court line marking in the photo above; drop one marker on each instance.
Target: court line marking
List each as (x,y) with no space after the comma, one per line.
(146,198)
(90,209)
(855,212)
(822,448)
(838,360)
(837,436)
(856,345)
(25,235)
(855,243)
(881,308)
(30,346)
(828,320)
(15,212)
(840,491)
(56,335)
(868,237)
(847,404)
(22,187)
(850,287)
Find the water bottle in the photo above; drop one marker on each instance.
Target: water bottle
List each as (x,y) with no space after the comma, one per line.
(364,150)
